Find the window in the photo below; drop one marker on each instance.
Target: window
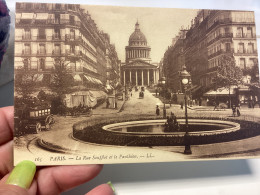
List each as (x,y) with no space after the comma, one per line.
(72,34)
(239,32)
(242,63)
(249,32)
(27,34)
(251,62)
(28,6)
(43,6)
(228,48)
(250,48)
(241,48)
(72,20)
(57,18)
(26,63)
(72,49)
(27,48)
(58,6)
(57,49)
(42,49)
(56,33)
(41,33)
(42,64)
(226,30)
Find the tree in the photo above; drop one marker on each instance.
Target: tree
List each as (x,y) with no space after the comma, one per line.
(228,74)
(61,78)
(60,84)
(25,84)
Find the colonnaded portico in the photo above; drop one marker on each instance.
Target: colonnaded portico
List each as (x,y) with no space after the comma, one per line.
(144,74)
(138,69)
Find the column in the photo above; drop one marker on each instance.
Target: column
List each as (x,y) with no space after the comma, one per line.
(136,81)
(130,76)
(142,77)
(154,77)
(124,77)
(148,76)
(157,75)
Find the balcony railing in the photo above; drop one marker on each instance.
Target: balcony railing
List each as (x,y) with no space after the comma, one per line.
(70,22)
(41,37)
(222,35)
(56,53)
(221,52)
(41,52)
(26,37)
(245,35)
(246,52)
(26,52)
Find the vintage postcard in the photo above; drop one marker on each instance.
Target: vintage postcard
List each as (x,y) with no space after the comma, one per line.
(104,84)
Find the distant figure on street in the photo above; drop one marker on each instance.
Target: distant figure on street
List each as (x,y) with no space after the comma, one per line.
(107,102)
(157,110)
(182,105)
(238,111)
(234,110)
(164,111)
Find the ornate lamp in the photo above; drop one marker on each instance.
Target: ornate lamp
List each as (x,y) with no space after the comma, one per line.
(186,80)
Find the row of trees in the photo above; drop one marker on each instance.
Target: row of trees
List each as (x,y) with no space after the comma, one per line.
(60,82)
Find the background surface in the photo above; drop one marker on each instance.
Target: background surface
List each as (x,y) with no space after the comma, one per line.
(197,178)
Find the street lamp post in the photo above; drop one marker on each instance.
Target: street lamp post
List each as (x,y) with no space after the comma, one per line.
(164,108)
(186,80)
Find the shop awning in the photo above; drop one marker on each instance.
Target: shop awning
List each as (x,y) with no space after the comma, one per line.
(93,80)
(195,88)
(77,78)
(109,87)
(98,94)
(220,92)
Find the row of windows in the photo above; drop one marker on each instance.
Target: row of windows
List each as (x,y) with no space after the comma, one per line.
(243,63)
(43,6)
(226,47)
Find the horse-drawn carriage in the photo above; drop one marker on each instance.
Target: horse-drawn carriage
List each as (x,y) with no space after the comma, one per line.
(29,120)
(141,94)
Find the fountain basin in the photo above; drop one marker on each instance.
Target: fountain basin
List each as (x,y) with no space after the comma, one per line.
(151,132)
(196,127)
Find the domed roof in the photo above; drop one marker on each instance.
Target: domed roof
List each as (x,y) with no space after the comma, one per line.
(137,37)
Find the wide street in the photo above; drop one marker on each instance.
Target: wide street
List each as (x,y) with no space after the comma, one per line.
(60,141)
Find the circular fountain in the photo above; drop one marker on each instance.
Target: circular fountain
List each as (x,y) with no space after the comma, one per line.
(196,127)
(154,133)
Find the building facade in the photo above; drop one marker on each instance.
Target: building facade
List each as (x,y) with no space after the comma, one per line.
(138,69)
(212,35)
(47,32)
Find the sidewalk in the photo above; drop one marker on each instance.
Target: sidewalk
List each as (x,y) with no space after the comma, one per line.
(102,110)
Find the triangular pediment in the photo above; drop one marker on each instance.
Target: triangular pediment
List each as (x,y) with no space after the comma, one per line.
(140,63)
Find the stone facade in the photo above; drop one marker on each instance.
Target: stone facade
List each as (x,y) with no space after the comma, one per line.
(138,69)
(46,32)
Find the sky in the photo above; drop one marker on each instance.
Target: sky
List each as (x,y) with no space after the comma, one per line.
(159,25)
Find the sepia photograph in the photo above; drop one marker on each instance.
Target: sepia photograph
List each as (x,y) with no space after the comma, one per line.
(110,84)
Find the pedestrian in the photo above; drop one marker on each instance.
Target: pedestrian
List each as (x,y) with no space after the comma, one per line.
(182,105)
(157,110)
(107,101)
(238,112)
(234,110)
(164,111)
